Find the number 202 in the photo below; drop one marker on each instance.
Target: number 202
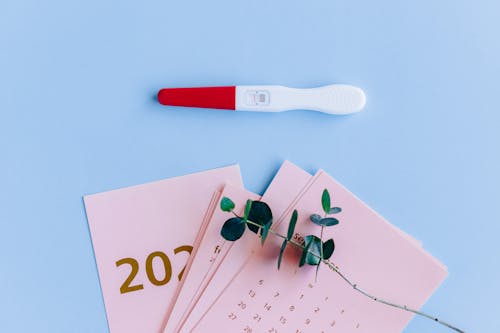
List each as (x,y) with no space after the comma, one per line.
(127,286)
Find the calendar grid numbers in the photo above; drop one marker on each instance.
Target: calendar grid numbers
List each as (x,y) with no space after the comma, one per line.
(257,311)
(310,308)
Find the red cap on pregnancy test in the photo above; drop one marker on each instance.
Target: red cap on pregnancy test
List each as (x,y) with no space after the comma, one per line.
(202,97)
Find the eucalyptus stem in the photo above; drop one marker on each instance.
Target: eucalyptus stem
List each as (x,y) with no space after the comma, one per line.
(334,268)
(337,270)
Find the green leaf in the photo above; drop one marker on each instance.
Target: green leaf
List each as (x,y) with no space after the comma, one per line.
(248,206)
(325,201)
(317,270)
(283,246)
(305,251)
(328,248)
(226,204)
(261,214)
(335,210)
(264,231)
(315,218)
(233,229)
(327,221)
(291,226)
(314,254)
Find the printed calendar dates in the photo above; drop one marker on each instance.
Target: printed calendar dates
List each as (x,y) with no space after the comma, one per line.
(282,323)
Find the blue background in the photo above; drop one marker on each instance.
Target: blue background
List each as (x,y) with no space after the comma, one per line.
(78,116)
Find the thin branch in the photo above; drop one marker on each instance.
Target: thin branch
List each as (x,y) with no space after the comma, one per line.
(336,269)
(333,267)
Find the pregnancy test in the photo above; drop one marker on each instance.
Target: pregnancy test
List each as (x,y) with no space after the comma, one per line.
(331,99)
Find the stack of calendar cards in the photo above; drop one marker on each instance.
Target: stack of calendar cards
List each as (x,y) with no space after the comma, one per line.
(163,270)
(237,287)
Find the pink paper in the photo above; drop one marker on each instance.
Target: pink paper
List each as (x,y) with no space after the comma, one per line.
(150,228)
(375,255)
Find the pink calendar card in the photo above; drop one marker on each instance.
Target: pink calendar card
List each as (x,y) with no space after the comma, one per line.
(142,236)
(377,257)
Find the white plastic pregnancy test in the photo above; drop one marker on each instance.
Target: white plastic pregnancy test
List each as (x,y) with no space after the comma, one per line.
(332,99)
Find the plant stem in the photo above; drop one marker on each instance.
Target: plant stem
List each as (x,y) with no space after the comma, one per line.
(336,269)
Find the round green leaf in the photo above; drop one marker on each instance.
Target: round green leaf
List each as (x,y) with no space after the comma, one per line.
(328,248)
(328,221)
(261,214)
(315,218)
(226,204)
(314,254)
(233,229)
(325,201)
(335,210)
